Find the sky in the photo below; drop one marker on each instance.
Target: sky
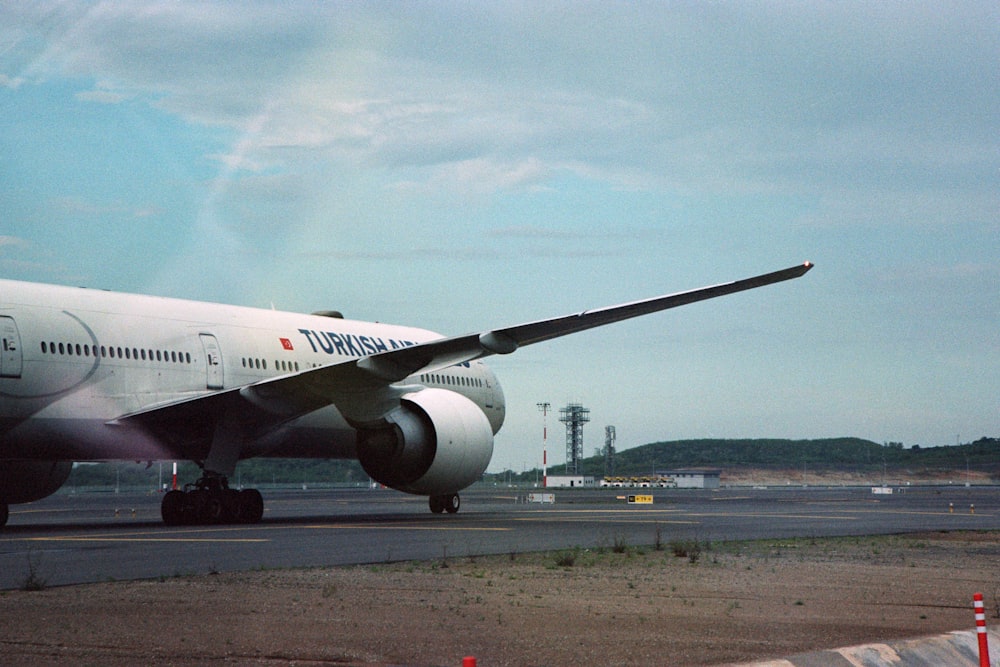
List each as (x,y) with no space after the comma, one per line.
(464,166)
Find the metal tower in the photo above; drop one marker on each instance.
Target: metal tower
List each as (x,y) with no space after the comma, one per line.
(574,416)
(609,451)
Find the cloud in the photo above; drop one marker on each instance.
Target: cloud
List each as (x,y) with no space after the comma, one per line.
(10,82)
(84,207)
(13,242)
(694,99)
(480,176)
(102,96)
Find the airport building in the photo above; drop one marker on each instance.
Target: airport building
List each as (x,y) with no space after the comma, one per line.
(694,478)
(640,481)
(569,482)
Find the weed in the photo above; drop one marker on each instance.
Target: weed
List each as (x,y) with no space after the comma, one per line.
(690,549)
(566,558)
(34,581)
(658,539)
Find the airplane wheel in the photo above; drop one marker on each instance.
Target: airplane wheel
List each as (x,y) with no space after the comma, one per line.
(211,508)
(172,508)
(449,502)
(4,514)
(251,506)
(232,506)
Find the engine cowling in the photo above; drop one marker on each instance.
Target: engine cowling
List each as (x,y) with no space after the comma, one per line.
(436,442)
(27,481)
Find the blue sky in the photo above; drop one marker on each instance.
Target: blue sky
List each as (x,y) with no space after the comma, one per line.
(462,166)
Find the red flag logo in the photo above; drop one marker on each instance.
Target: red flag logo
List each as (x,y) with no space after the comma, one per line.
(286,344)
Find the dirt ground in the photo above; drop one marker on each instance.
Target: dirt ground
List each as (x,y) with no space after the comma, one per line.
(623,605)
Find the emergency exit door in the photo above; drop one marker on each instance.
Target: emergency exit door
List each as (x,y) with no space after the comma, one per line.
(213,362)
(10,348)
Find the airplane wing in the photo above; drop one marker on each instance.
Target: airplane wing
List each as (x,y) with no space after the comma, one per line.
(398,364)
(362,388)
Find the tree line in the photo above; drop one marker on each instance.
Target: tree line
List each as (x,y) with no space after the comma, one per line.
(843,454)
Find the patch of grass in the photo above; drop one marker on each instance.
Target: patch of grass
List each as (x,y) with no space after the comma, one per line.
(690,549)
(565,558)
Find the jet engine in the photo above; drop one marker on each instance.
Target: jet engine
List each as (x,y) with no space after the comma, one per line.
(26,481)
(436,442)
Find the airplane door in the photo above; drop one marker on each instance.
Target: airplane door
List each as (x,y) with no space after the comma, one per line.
(213,362)
(487,394)
(10,348)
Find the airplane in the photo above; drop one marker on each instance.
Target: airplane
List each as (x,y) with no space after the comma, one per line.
(94,375)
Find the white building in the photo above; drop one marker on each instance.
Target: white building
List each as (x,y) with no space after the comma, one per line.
(569,482)
(694,478)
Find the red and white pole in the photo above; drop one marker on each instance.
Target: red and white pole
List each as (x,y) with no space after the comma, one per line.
(984,647)
(544,407)
(175,475)
(545,476)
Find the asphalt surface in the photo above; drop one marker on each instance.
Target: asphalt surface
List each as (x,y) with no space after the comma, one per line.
(80,537)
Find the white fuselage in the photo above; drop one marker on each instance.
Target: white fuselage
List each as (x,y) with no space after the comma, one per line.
(73,359)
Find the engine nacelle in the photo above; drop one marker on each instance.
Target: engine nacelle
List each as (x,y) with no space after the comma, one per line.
(26,481)
(437,442)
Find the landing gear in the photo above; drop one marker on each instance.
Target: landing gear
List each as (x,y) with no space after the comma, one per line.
(447,503)
(210,500)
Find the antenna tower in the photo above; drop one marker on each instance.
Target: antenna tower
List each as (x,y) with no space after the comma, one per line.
(609,451)
(574,416)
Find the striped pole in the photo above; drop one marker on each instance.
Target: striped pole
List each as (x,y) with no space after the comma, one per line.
(984,647)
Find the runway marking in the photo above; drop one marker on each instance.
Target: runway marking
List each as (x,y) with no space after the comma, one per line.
(76,538)
(368,526)
(635,520)
(699,514)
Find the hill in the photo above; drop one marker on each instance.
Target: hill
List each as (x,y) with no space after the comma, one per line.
(980,459)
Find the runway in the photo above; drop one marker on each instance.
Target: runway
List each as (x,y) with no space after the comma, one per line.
(75,538)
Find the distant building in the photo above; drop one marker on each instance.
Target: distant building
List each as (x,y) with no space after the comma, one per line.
(694,478)
(569,482)
(639,481)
